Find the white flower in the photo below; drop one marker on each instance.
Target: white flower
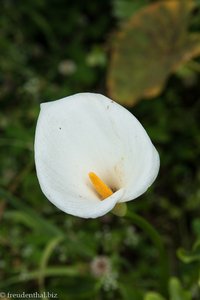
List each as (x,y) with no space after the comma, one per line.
(89,148)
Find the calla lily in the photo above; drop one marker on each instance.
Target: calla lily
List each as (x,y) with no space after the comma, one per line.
(91,153)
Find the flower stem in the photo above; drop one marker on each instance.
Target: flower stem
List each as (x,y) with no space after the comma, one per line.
(157,240)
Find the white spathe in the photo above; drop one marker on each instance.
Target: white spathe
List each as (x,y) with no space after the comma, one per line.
(85,133)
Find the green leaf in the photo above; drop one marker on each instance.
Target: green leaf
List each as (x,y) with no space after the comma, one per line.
(28,216)
(23,218)
(153,296)
(48,272)
(189,257)
(176,291)
(154,43)
(124,9)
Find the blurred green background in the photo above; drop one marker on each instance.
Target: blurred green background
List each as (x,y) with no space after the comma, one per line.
(143,54)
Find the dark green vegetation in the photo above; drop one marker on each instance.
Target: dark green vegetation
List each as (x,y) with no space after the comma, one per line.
(51,49)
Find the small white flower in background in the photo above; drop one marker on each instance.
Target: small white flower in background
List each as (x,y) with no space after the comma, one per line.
(100,266)
(88,149)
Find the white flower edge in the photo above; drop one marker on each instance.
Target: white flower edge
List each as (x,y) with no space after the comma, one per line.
(89,132)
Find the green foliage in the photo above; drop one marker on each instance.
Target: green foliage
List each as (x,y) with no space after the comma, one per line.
(153,296)
(176,291)
(50,49)
(124,9)
(188,257)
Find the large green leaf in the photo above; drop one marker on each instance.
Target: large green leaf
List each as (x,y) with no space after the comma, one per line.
(176,290)
(150,46)
(153,296)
